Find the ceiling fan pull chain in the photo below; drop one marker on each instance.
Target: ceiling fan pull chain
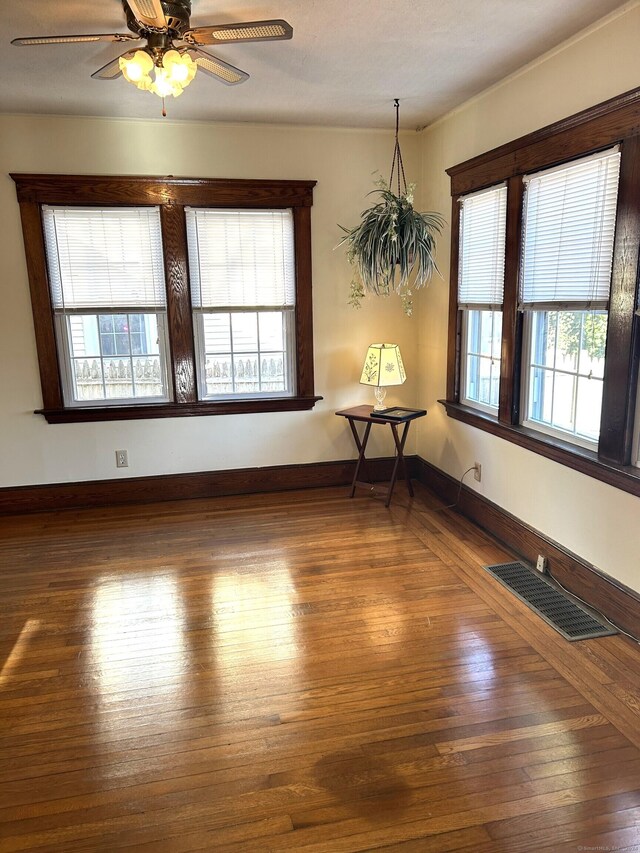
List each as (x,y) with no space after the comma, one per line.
(397,165)
(164,111)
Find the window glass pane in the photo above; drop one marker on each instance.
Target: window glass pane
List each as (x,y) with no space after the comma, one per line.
(120,364)
(566,369)
(84,338)
(541,394)
(486,332)
(483,345)
(137,343)
(87,379)
(151,334)
(494,384)
(485,379)
(569,334)
(117,378)
(588,409)
(245,369)
(271,331)
(272,372)
(217,333)
(473,377)
(593,343)
(244,330)
(122,344)
(147,376)
(120,323)
(543,340)
(255,359)
(219,374)
(564,397)
(496,335)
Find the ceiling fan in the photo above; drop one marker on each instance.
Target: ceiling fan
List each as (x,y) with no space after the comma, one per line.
(160,23)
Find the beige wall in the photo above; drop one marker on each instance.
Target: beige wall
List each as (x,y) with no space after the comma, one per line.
(595,521)
(32,451)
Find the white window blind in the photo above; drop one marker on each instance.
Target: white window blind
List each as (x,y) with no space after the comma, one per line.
(241,258)
(569,229)
(105,258)
(483,218)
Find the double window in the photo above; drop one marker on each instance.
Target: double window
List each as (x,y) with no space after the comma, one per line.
(190,298)
(544,342)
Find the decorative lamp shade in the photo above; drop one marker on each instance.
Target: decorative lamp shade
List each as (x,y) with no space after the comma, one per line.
(382,367)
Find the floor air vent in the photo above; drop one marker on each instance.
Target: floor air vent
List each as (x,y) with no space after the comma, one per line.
(556,608)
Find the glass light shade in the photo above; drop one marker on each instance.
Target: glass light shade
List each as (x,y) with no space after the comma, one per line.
(180,68)
(170,78)
(382,367)
(163,85)
(137,69)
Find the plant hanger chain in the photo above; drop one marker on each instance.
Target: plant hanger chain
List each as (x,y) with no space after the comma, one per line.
(397,165)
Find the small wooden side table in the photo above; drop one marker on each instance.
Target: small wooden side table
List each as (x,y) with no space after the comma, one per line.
(363,414)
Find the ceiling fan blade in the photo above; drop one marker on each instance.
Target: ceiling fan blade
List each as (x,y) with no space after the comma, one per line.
(228,74)
(149,13)
(111,70)
(34,40)
(251,31)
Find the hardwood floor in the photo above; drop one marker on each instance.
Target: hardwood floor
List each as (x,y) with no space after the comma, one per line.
(298,672)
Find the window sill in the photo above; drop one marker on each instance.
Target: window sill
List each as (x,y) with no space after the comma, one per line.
(624,477)
(176,410)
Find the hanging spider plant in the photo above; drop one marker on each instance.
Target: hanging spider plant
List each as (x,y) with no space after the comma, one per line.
(393,247)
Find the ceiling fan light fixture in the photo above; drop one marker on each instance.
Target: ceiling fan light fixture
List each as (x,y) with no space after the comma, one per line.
(159,66)
(169,77)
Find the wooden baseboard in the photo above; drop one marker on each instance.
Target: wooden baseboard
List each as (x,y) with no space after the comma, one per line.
(202,484)
(611,598)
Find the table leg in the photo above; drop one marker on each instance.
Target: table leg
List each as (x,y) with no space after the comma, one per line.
(399,442)
(362,446)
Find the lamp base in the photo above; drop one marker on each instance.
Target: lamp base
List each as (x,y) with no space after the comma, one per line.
(380,393)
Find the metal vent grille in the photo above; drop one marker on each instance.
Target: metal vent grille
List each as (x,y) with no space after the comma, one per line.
(568,618)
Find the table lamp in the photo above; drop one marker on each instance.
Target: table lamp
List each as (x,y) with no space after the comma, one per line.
(382,367)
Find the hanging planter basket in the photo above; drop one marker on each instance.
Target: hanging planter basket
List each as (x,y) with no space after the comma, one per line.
(392,248)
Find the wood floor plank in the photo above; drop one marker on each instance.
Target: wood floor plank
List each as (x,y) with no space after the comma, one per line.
(297,672)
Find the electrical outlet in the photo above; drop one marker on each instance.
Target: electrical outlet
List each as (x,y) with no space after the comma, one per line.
(477,474)
(122,459)
(541,564)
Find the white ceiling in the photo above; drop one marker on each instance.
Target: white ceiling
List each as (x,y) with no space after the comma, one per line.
(345,65)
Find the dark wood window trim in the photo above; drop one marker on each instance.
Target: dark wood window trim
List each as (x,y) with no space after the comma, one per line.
(171,195)
(616,121)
